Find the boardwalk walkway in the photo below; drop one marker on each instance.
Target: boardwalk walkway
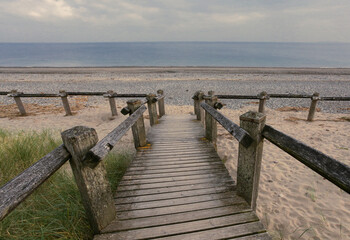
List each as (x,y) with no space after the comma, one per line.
(178,188)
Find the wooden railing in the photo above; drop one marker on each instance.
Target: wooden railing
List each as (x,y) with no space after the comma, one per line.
(111,95)
(263,97)
(81,147)
(250,135)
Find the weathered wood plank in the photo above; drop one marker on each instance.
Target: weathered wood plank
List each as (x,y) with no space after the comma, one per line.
(331,169)
(201,214)
(173,202)
(240,134)
(173,184)
(104,146)
(258,236)
(171,179)
(15,191)
(172,174)
(189,169)
(172,195)
(181,228)
(144,192)
(223,232)
(179,208)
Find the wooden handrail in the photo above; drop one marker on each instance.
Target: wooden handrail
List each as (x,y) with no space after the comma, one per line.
(103,147)
(331,169)
(15,191)
(240,134)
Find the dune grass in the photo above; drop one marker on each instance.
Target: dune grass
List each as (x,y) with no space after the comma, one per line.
(54,210)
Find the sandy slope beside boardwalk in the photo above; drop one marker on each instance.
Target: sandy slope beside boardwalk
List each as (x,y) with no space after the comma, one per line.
(294,202)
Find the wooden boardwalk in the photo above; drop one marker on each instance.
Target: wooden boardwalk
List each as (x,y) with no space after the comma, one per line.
(178,188)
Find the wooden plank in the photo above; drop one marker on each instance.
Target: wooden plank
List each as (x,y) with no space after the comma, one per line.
(121,225)
(104,146)
(143,192)
(165,161)
(331,169)
(171,179)
(189,169)
(240,134)
(175,166)
(159,162)
(173,184)
(172,174)
(222,232)
(15,191)
(180,228)
(173,202)
(153,153)
(172,195)
(179,208)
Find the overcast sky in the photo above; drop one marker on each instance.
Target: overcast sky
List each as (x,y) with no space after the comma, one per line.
(174,20)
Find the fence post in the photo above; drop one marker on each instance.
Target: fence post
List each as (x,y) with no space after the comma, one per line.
(152,108)
(210,122)
(315,97)
(197,99)
(161,106)
(262,100)
(93,185)
(18,101)
(249,159)
(138,129)
(65,102)
(111,99)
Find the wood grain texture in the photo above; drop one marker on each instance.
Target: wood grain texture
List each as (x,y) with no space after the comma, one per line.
(240,134)
(15,191)
(103,147)
(331,169)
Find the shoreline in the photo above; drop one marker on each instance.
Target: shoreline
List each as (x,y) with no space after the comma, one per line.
(174,69)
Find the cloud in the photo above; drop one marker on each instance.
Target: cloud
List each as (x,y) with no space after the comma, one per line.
(39,10)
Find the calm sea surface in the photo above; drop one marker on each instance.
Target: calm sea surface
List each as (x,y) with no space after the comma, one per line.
(230,54)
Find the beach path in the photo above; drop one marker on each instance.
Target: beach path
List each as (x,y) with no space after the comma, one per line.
(178,188)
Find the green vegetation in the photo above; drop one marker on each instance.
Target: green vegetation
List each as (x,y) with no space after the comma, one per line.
(54,210)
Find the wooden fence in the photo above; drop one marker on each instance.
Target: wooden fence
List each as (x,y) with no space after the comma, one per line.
(111,95)
(81,147)
(250,135)
(199,96)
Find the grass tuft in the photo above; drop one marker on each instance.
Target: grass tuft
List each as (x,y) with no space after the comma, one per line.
(54,210)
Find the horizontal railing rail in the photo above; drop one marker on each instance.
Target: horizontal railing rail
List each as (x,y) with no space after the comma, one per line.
(19,188)
(263,97)
(111,95)
(331,169)
(239,133)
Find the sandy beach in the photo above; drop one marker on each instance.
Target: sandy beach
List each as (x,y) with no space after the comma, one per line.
(293,203)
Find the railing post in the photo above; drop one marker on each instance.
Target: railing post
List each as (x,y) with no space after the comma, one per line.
(65,102)
(93,185)
(161,106)
(249,159)
(152,108)
(262,100)
(138,129)
(111,99)
(210,122)
(18,101)
(197,99)
(315,97)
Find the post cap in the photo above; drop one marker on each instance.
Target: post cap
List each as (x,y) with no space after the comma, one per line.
(252,116)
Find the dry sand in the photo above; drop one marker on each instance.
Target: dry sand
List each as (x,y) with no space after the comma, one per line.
(293,203)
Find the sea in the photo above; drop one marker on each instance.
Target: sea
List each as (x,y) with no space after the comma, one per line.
(219,54)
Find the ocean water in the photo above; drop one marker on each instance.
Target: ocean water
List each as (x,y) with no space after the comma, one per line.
(226,54)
